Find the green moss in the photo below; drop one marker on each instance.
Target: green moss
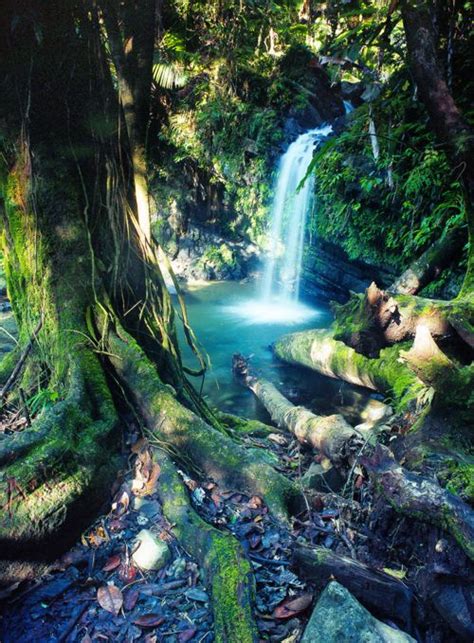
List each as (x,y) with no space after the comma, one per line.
(459,479)
(218,257)
(318,350)
(230,574)
(227,571)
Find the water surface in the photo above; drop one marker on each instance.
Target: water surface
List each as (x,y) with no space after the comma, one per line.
(230,317)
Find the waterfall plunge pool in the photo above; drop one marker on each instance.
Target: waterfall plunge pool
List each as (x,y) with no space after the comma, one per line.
(231,317)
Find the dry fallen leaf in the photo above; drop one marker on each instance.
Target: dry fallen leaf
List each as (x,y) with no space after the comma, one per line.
(146,474)
(121,502)
(149,620)
(293,606)
(186,635)
(110,598)
(255,502)
(130,600)
(112,563)
(127,572)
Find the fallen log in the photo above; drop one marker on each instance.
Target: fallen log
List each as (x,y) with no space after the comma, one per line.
(319,351)
(228,572)
(407,492)
(430,264)
(331,435)
(436,369)
(421,498)
(379,592)
(372,320)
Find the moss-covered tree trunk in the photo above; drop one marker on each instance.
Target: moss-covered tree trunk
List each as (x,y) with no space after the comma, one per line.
(76,259)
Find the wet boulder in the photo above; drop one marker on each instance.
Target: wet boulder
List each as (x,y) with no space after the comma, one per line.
(339,618)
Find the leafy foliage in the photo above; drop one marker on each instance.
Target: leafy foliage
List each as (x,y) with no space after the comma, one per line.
(391,208)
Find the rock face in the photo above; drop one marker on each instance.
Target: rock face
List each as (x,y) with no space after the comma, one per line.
(339,618)
(152,553)
(201,253)
(329,275)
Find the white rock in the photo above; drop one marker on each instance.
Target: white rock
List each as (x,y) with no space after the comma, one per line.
(151,553)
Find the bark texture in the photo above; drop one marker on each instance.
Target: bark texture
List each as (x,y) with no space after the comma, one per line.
(376,590)
(430,265)
(446,118)
(422,498)
(319,351)
(331,435)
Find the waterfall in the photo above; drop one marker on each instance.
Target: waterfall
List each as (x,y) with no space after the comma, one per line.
(290,207)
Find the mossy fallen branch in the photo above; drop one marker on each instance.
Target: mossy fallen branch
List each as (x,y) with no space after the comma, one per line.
(421,498)
(319,351)
(331,435)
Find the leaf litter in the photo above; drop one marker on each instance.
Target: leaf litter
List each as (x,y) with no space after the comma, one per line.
(96,594)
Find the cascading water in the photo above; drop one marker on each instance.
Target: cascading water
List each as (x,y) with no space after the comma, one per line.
(279,301)
(282,271)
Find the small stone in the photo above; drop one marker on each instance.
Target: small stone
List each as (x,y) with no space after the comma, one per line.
(322,478)
(150,508)
(339,618)
(152,553)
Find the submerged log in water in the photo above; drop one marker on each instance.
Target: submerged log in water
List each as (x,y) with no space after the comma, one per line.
(331,435)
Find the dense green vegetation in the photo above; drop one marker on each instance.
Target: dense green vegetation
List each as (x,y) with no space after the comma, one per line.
(228,87)
(222,103)
(123,119)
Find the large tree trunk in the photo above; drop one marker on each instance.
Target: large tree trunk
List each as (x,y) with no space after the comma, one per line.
(131,34)
(446,118)
(75,258)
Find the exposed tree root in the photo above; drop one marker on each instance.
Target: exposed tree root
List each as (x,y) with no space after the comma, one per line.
(388,596)
(65,467)
(421,498)
(331,435)
(228,572)
(215,453)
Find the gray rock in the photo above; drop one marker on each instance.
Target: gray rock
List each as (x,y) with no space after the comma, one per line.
(149,508)
(152,553)
(339,618)
(351,91)
(322,477)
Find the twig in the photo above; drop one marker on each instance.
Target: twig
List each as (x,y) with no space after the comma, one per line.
(16,371)
(25,407)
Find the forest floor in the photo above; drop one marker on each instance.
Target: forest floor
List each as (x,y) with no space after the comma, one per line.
(95,592)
